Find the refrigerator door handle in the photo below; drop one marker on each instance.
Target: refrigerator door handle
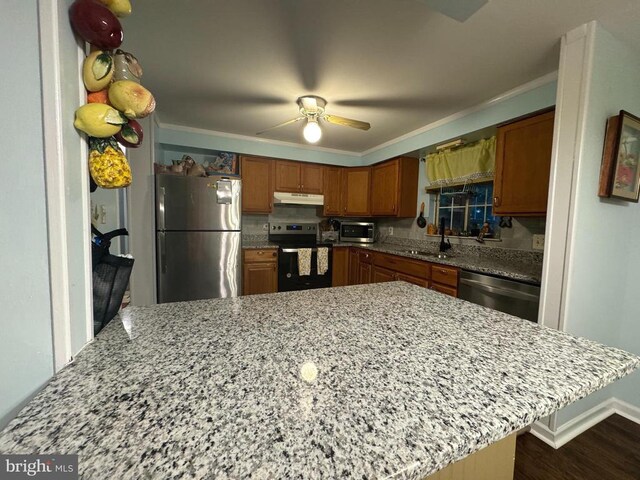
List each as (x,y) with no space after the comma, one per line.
(161,208)
(163,252)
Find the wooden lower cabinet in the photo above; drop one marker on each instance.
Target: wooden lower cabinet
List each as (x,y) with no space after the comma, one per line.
(259,271)
(494,462)
(366,266)
(380,275)
(340,267)
(421,282)
(452,291)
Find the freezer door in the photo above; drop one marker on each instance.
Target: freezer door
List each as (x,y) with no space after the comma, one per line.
(197,265)
(197,203)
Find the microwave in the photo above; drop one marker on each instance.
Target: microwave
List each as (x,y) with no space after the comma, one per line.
(358,232)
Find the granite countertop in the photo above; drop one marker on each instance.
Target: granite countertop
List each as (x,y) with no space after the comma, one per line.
(409,380)
(509,267)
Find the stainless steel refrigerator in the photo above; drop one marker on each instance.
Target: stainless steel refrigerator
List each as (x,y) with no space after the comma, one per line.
(198,223)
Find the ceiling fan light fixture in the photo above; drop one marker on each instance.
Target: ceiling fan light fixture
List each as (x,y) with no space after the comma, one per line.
(312,132)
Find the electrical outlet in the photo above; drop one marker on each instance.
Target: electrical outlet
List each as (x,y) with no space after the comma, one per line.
(265,227)
(538,242)
(390,230)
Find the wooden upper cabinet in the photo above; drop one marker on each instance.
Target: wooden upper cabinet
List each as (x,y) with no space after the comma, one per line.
(298,177)
(356,191)
(287,176)
(257,184)
(394,188)
(311,178)
(523,162)
(333,191)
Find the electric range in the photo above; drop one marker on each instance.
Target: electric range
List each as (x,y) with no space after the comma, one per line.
(290,237)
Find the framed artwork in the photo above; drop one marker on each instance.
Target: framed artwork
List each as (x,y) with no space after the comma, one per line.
(620,172)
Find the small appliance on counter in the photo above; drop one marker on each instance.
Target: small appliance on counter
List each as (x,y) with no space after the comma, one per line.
(357,232)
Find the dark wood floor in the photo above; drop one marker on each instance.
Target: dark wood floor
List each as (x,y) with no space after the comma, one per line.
(608,451)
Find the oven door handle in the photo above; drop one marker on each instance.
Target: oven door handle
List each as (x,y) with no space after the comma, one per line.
(295,250)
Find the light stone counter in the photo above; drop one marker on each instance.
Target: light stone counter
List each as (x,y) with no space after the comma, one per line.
(408,381)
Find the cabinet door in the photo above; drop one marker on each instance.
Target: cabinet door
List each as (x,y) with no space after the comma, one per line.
(340,271)
(311,178)
(357,183)
(353,266)
(385,188)
(444,289)
(380,275)
(421,282)
(332,191)
(287,176)
(260,278)
(523,161)
(257,184)
(364,273)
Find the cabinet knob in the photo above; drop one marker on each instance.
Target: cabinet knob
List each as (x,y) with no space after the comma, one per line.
(443,272)
(260,252)
(274,254)
(301,187)
(496,201)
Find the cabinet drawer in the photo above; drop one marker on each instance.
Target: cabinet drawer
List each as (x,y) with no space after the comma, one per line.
(414,268)
(444,275)
(364,256)
(258,256)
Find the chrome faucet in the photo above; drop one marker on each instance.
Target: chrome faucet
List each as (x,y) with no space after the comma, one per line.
(444,246)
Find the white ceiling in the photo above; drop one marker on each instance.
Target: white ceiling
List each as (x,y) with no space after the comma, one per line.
(237,66)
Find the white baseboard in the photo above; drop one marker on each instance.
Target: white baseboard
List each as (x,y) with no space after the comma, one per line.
(585,421)
(626,410)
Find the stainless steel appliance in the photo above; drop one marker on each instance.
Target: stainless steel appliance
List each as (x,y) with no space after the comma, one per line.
(198,237)
(291,237)
(357,232)
(509,296)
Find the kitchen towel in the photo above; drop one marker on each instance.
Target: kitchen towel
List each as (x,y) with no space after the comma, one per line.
(304,262)
(323,260)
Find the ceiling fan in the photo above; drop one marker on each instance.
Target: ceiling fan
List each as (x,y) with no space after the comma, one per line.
(312,109)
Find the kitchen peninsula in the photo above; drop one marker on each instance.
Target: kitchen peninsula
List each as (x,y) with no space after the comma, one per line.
(366,381)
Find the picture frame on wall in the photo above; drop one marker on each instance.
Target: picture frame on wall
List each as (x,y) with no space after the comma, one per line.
(620,171)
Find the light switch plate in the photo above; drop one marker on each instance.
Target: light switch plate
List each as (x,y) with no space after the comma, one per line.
(538,242)
(390,230)
(265,226)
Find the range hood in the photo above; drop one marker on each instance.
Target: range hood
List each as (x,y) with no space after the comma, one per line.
(284,198)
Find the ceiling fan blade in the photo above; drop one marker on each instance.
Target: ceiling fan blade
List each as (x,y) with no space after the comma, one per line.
(459,10)
(347,122)
(288,122)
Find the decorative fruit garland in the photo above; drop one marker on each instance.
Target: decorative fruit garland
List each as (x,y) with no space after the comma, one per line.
(115,97)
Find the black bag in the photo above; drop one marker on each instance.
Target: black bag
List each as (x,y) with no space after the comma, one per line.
(110,277)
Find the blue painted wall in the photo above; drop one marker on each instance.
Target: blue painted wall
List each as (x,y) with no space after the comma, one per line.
(26,351)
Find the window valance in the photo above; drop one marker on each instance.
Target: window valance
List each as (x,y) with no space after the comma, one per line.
(469,164)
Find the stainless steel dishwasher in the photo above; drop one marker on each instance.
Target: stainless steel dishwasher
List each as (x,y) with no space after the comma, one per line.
(509,296)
